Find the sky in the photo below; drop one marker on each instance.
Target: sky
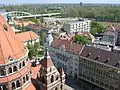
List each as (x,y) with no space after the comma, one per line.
(56,1)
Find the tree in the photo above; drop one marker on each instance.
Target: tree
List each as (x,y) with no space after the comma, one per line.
(96,28)
(81,39)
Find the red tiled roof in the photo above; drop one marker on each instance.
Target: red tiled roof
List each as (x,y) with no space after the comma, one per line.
(47,62)
(10,45)
(69,45)
(30,87)
(35,71)
(27,36)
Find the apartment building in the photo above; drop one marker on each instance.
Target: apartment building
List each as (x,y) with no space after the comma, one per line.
(77,26)
(94,65)
(100,67)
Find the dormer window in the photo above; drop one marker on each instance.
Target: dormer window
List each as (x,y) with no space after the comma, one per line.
(88,54)
(5,27)
(97,57)
(107,60)
(10,59)
(118,63)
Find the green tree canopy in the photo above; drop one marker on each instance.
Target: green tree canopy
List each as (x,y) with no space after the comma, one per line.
(97,28)
(81,39)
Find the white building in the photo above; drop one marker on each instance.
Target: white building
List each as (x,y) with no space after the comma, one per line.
(77,26)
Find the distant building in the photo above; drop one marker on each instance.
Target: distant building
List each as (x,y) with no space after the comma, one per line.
(77,26)
(110,38)
(81,4)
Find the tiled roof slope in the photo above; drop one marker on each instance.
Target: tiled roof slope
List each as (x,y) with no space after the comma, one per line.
(10,45)
(69,45)
(27,36)
(89,52)
(102,56)
(47,62)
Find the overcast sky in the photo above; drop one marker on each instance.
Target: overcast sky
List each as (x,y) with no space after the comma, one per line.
(56,1)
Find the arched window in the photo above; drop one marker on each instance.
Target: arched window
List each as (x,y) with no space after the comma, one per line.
(43,79)
(61,86)
(14,68)
(2,72)
(23,63)
(18,83)
(56,88)
(52,78)
(13,86)
(23,79)
(56,77)
(20,66)
(0,87)
(10,70)
(27,78)
(4,87)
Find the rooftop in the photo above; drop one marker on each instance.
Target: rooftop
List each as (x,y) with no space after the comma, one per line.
(10,44)
(96,54)
(27,36)
(102,56)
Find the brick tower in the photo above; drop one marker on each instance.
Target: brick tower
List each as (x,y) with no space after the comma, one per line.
(49,78)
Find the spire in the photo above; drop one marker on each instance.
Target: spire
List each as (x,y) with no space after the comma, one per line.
(47,62)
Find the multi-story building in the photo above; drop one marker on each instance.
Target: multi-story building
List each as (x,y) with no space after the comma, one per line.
(77,26)
(96,66)
(100,67)
(64,54)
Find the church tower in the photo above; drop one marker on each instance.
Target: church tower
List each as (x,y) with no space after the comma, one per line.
(48,39)
(49,78)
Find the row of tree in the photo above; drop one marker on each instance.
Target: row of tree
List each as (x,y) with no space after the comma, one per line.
(105,13)
(30,9)
(101,13)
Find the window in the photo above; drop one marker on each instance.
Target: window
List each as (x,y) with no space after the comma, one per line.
(10,70)
(23,63)
(27,78)
(13,86)
(20,66)
(61,86)
(2,72)
(4,87)
(52,78)
(57,78)
(18,83)
(43,79)
(5,27)
(56,88)
(14,68)
(23,79)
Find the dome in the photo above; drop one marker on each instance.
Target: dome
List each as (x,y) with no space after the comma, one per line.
(10,45)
